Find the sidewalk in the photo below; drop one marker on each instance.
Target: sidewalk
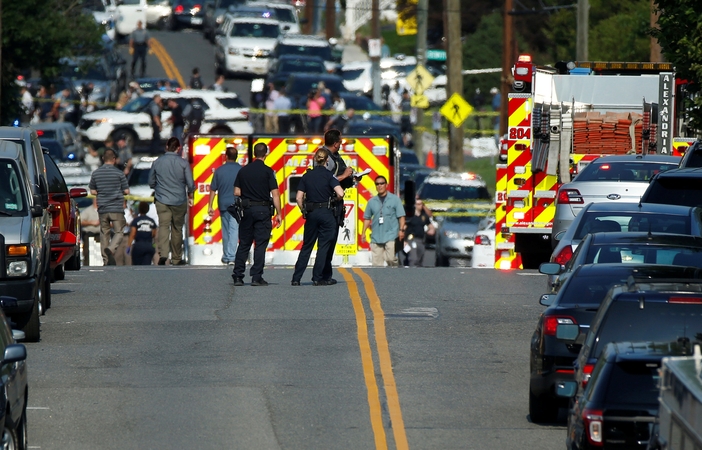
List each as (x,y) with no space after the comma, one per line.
(353,52)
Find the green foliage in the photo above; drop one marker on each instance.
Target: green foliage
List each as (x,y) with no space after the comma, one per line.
(680,37)
(481,50)
(399,44)
(485,167)
(35,35)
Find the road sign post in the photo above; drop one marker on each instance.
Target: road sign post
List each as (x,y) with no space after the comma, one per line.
(436,125)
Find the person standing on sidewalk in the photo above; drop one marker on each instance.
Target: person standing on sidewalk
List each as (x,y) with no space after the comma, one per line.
(385,216)
(258,189)
(223,186)
(173,186)
(110,186)
(139,46)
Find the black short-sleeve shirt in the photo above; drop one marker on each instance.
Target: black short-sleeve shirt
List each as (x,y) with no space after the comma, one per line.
(256,181)
(318,184)
(144,228)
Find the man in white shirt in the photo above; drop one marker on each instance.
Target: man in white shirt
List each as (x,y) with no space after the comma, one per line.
(282,104)
(395,102)
(270,121)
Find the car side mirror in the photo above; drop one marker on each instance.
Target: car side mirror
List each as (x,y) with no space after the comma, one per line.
(14,353)
(567,332)
(547,299)
(37,208)
(78,192)
(550,268)
(566,389)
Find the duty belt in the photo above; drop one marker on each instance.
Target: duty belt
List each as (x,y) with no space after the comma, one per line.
(312,206)
(248,203)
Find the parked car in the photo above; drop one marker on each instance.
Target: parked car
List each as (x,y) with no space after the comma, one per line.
(633,247)
(14,385)
(149,84)
(54,149)
(307,45)
(443,191)
(653,311)
(394,71)
(289,64)
(105,14)
(359,126)
(86,70)
(245,44)
(604,217)
(357,76)
(158,13)
(214,15)
(455,236)
(575,302)
(693,156)
(186,13)
(361,103)
(285,13)
(621,178)
(65,227)
(26,275)
(675,187)
(66,134)
(619,406)
(224,114)
(484,246)
(138,178)
(131,12)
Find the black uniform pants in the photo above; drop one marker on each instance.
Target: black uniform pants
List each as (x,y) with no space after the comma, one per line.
(156,140)
(142,253)
(319,226)
(139,55)
(327,271)
(256,227)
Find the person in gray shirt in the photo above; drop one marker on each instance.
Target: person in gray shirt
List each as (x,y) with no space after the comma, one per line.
(155,108)
(173,185)
(138,46)
(110,186)
(282,104)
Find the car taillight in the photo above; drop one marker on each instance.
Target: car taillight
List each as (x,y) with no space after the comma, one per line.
(551,324)
(564,255)
(179,9)
(587,373)
(685,300)
(569,196)
(482,240)
(592,419)
(245,114)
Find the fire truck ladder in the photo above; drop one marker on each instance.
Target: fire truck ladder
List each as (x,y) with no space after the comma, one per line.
(540,124)
(556,140)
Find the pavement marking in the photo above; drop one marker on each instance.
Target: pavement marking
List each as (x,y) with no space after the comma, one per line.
(529,274)
(167,62)
(376,415)
(38,407)
(385,362)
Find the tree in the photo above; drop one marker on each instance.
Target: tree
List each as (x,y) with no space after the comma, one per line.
(35,35)
(680,36)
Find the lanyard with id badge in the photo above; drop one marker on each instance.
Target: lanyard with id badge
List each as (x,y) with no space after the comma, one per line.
(382,203)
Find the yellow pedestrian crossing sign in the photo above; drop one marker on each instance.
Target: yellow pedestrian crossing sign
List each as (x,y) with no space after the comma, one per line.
(456,110)
(419,80)
(419,101)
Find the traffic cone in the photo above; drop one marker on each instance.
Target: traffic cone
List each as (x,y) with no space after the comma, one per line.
(430,160)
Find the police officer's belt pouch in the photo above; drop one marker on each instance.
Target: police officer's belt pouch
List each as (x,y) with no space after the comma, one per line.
(236,211)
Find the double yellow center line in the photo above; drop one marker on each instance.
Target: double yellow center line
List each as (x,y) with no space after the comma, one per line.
(384,361)
(166,61)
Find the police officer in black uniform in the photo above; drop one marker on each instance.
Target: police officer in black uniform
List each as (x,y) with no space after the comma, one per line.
(317,185)
(337,166)
(258,189)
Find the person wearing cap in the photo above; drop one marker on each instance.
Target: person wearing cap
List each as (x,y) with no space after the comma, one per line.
(223,187)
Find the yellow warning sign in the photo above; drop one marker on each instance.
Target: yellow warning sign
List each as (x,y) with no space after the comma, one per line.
(419,80)
(456,110)
(419,101)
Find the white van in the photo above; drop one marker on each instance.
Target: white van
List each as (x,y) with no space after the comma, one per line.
(130,12)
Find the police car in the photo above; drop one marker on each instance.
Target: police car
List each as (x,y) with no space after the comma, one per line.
(224,114)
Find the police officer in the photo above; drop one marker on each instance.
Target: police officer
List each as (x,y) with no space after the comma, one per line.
(336,165)
(318,185)
(258,189)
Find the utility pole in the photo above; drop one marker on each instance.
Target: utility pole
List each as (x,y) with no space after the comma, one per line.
(375,32)
(422,15)
(454,60)
(507,62)
(656,53)
(0,49)
(330,25)
(309,16)
(583,14)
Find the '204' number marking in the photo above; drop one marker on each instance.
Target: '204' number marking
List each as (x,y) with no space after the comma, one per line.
(520,133)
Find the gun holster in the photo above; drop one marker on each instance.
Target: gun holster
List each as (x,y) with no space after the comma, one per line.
(236,210)
(336,204)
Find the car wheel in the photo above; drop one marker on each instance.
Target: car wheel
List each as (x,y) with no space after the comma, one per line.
(162,23)
(59,273)
(440,260)
(542,409)
(46,293)
(22,429)
(10,440)
(73,262)
(129,137)
(29,323)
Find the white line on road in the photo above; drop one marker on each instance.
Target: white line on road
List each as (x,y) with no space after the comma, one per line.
(529,274)
(37,407)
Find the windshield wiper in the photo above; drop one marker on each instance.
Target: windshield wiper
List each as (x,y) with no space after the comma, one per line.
(5,213)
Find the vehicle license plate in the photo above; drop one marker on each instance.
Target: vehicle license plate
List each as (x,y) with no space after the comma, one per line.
(196,20)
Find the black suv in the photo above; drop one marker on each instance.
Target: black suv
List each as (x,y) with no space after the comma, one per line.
(551,359)
(663,311)
(619,406)
(675,187)
(693,155)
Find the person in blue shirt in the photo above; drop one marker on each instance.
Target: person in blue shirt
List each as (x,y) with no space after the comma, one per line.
(223,186)
(142,232)
(385,216)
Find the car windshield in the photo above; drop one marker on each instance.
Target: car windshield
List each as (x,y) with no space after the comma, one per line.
(57,185)
(88,71)
(228,3)
(139,177)
(457,217)
(255,30)
(227,102)
(284,15)
(593,222)
(257,13)
(54,148)
(589,290)
(633,383)
(136,105)
(351,74)
(623,171)
(634,253)
(11,192)
(94,5)
(654,322)
(675,191)
(453,192)
(308,50)
(301,65)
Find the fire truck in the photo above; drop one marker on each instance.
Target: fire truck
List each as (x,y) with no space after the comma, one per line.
(289,157)
(562,118)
